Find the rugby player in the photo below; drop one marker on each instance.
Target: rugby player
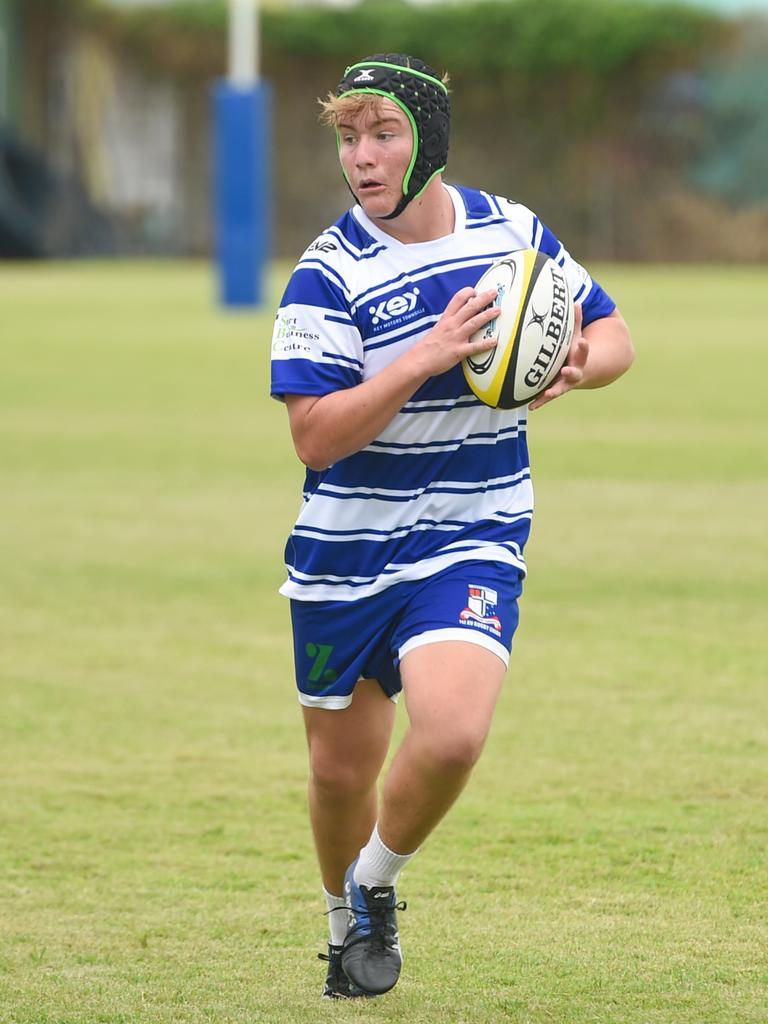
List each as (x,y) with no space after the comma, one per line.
(406,562)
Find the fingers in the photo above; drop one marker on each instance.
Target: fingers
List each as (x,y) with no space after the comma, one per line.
(577,355)
(578,316)
(478,321)
(458,301)
(572,373)
(467,303)
(546,396)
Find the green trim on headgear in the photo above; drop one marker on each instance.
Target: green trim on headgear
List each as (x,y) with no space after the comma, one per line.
(414,129)
(416,89)
(394,67)
(432,175)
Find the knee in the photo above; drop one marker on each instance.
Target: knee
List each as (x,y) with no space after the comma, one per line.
(453,753)
(333,776)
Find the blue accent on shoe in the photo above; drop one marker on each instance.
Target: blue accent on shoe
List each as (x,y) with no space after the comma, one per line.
(370,956)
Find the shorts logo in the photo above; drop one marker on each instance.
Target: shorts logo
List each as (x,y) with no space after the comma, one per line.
(481,610)
(319,674)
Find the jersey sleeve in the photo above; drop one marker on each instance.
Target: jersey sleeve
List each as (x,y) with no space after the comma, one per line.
(316,346)
(595,303)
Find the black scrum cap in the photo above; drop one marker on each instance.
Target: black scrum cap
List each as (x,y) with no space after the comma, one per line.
(416,88)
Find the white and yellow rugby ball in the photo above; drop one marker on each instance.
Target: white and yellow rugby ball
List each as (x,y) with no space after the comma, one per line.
(533,329)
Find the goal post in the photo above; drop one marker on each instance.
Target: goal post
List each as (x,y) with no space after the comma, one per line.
(241,150)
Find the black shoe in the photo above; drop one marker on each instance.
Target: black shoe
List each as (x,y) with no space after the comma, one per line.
(337,984)
(371,955)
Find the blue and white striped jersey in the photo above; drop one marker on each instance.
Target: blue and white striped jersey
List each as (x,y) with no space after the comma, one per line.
(449,478)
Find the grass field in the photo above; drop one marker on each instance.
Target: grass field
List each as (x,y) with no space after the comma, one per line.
(607,864)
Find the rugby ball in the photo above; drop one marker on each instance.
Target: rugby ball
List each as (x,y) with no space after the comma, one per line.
(533,330)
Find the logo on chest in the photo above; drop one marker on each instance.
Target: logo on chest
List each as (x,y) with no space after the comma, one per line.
(399,309)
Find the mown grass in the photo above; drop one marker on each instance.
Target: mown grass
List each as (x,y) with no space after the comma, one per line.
(607,864)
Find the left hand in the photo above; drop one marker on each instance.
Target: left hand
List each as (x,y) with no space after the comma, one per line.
(572,373)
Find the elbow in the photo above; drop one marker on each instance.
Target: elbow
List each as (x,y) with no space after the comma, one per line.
(629,353)
(311,455)
(624,349)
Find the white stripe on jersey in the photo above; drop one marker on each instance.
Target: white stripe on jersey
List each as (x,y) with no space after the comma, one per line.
(330,588)
(448,478)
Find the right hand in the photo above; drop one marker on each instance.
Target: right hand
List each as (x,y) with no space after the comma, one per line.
(448,341)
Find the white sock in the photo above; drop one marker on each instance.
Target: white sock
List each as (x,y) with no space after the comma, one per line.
(337,918)
(377,864)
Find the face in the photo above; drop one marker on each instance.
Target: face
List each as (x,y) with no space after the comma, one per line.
(375,151)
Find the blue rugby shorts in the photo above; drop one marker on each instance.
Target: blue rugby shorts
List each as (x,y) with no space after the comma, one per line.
(337,643)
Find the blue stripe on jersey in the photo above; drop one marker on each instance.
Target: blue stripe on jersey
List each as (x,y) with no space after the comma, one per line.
(486,223)
(494,200)
(356,254)
(597,304)
(345,359)
(326,270)
(549,244)
(476,203)
(382,506)
(309,287)
(426,445)
(366,558)
(353,231)
(384,316)
(417,471)
(369,494)
(393,339)
(305,377)
(421,273)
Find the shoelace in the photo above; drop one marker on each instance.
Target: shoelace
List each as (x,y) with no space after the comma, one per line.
(381,934)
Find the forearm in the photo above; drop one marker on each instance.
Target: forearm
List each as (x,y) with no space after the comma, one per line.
(611,351)
(344,422)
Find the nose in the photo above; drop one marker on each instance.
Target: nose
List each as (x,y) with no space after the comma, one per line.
(364,152)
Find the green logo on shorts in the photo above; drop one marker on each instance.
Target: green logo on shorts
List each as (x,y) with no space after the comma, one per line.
(319,673)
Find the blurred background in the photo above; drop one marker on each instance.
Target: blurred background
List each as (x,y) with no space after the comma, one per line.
(638,129)
(609,858)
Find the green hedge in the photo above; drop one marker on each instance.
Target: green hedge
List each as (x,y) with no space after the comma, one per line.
(534,38)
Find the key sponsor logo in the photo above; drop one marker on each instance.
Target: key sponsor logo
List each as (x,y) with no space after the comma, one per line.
(398,309)
(366,75)
(480,610)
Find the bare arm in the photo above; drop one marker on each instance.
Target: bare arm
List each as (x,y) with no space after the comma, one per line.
(330,427)
(598,356)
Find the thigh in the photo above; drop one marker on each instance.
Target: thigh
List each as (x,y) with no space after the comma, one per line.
(354,739)
(451,688)
(338,643)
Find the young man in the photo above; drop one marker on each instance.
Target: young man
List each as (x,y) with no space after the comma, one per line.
(406,562)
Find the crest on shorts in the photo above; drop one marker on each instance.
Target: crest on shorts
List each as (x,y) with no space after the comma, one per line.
(481,609)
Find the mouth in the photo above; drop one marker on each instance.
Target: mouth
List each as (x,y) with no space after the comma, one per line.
(369,186)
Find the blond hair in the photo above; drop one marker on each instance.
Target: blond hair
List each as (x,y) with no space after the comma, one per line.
(358,104)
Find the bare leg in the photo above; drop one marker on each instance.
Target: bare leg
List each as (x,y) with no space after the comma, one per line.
(451,690)
(346,751)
